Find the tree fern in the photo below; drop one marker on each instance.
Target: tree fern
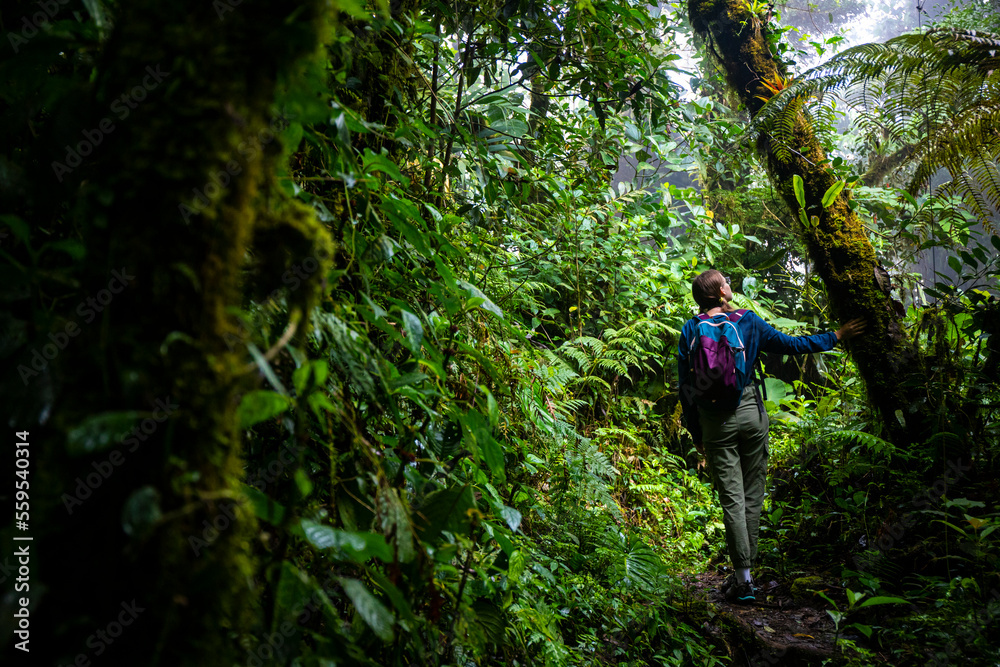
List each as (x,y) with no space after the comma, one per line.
(937,91)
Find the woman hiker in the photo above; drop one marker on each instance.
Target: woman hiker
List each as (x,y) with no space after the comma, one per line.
(727,419)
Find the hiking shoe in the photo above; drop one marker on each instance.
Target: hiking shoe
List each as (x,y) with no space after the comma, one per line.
(742,593)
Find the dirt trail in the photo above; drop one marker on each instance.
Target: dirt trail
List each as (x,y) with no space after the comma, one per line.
(788,633)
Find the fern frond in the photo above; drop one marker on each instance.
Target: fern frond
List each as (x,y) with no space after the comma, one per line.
(937,91)
(872,442)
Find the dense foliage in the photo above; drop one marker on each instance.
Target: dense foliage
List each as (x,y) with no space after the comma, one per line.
(448,366)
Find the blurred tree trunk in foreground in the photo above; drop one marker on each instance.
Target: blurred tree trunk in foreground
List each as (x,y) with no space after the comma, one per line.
(145,525)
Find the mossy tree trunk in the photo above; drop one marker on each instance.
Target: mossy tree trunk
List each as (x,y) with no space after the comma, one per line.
(838,244)
(182,183)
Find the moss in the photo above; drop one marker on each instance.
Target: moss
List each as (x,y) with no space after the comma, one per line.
(293,251)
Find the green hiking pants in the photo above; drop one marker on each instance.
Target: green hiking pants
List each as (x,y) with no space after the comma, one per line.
(736,448)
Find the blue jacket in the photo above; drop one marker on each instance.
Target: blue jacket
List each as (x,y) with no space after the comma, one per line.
(757,335)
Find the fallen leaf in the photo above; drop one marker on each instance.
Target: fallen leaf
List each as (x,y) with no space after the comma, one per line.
(799,634)
(768,628)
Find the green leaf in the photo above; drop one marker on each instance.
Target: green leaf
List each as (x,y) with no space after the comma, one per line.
(263,507)
(300,379)
(260,405)
(516,566)
(71,247)
(479,437)
(21,229)
(800,190)
(486,304)
(512,517)
(488,616)
(777,390)
(396,522)
(500,535)
(374,162)
(956,264)
(493,454)
(291,594)
(265,367)
(395,596)
(101,431)
(514,127)
(141,511)
(492,408)
(866,630)
(444,510)
(632,132)
(369,608)
(831,194)
(97,12)
(871,602)
(414,331)
(357,546)
(303,482)
(484,362)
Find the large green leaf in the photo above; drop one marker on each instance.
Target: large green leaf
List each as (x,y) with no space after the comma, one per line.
(444,510)
(102,431)
(263,507)
(291,595)
(357,546)
(486,304)
(800,190)
(260,405)
(831,193)
(369,608)
(414,330)
(777,390)
(396,522)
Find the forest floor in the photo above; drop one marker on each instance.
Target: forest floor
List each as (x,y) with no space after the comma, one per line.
(778,630)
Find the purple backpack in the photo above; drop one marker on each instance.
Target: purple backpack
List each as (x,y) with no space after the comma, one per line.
(718,361)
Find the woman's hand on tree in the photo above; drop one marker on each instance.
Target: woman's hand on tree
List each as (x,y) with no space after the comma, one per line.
(851,329)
